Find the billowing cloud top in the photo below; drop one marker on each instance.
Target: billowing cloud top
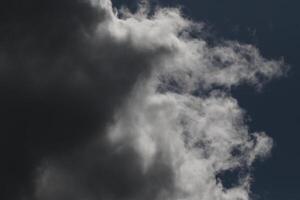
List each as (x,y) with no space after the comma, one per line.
(99,103)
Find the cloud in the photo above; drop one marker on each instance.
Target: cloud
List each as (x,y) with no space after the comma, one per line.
(61,80)
(107,104)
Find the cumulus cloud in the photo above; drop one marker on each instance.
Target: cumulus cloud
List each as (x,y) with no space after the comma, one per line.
(113,105)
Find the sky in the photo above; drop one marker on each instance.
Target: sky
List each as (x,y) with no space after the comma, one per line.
(149,100)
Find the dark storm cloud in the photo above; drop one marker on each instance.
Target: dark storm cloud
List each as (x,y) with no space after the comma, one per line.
(59,82)
(101,171)
(82,116)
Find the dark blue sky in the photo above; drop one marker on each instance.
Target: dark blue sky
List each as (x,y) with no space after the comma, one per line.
(274,27)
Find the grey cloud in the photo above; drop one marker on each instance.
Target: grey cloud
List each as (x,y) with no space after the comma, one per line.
(101,171)
(61,80)
(97,106)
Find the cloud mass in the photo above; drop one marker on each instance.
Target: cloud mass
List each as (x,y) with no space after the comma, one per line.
(99,103)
